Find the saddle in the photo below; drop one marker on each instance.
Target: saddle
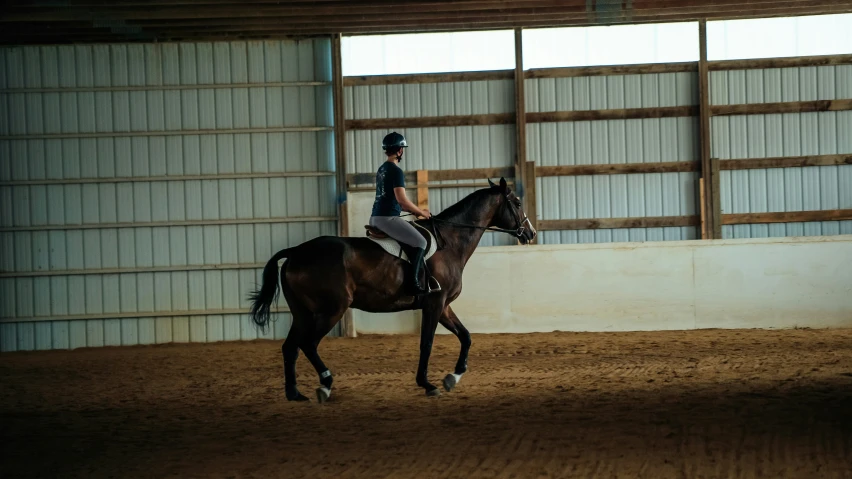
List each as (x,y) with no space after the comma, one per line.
(398,250)
(374,232)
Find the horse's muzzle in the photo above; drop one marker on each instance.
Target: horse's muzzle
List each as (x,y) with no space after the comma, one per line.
(526,233)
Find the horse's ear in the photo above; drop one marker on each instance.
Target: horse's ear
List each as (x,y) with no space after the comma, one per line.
(491,183)
(503,186)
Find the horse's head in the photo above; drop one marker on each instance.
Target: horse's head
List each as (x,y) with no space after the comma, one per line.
(510,213)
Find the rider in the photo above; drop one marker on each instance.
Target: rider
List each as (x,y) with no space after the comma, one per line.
(391,198)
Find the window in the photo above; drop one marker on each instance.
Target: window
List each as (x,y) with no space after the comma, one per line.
(428,52)
(610,45)
(779,37)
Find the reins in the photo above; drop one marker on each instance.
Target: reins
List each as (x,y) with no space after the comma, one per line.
(517,232)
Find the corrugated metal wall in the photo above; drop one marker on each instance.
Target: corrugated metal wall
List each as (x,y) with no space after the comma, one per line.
(435,148)
(615,141)
(794,134)
(143,186)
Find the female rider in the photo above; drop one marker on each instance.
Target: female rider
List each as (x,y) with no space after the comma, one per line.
(391,199)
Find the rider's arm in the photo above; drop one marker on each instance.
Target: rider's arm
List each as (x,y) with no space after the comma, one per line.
(405,203)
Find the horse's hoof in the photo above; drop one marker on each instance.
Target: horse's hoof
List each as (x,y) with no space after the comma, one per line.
(449,382)
(323,394)
(434,392)
(293,394)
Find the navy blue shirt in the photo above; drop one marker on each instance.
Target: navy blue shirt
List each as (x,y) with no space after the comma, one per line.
(388,177)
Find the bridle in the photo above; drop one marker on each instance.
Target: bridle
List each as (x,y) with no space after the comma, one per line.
(518,232)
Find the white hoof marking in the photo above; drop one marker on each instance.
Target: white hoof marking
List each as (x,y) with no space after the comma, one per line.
(323,393)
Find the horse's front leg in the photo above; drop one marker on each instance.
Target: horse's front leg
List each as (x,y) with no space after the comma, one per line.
(429,322)
(450,321)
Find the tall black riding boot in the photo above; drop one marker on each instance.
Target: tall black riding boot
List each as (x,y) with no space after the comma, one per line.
(417,263)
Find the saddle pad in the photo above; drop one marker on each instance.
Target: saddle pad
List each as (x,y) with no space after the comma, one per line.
(394,249)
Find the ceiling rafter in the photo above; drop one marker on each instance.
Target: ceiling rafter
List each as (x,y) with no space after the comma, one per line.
(96,21)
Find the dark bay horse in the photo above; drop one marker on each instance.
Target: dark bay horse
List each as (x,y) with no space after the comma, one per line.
(324,276)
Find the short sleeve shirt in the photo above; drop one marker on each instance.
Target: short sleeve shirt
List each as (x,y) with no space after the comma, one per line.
(388,177)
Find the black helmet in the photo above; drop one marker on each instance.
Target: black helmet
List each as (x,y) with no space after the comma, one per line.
(393,140)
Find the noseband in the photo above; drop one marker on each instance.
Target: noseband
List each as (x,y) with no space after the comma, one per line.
(519,231)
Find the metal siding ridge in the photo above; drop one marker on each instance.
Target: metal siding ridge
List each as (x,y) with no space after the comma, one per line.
(123,134)
(151,224)
(152,269)
(129,88)
(148,179)
(135,315)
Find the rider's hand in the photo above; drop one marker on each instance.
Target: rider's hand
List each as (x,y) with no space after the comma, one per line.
(426,214)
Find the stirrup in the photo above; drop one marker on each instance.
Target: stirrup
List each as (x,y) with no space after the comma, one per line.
(429,281)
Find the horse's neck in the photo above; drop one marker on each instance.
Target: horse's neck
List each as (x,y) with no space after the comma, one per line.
(463,241)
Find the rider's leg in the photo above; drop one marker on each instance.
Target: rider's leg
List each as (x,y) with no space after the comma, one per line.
(402,231)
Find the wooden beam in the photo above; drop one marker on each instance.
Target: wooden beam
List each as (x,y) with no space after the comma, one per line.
(531,207)
(480,184)
(472,173)
(478,19)
(427,78)
(466,5)
(347,325)
(339,132)
(427,13)
(782,107)
(521,180)
(354,179)
(423,189)
(716,201)
(431,121)
(619,223)
(509,118)
(441,175)
(790,62)
(785,162)
(702,204)
(637,69)
(704,137)
(786,217)
(619,168)
(613,114)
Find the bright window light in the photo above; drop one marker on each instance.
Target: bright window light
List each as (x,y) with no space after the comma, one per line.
(428,52)
(610,45)
(779,37)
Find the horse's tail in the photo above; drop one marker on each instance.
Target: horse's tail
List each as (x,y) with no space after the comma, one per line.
(262,299)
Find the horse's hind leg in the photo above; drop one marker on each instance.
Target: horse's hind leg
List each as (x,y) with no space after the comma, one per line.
(290,351)
(324,322)
(450,321)
(325,378)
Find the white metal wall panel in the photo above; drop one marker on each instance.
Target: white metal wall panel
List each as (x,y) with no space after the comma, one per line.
(758,136)
(104,148)
(439,148)
(614,141)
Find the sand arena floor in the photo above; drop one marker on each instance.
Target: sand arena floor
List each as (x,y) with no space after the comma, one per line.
(698,404)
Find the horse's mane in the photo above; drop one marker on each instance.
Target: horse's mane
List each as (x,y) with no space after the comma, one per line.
(463,206)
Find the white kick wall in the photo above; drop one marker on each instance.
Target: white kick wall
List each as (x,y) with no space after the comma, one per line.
(649,286)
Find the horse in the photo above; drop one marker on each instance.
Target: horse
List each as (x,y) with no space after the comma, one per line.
(322,277)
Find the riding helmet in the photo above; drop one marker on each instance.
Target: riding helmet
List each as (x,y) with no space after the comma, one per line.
(394,140)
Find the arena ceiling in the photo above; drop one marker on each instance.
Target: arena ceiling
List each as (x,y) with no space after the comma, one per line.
(101,21)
